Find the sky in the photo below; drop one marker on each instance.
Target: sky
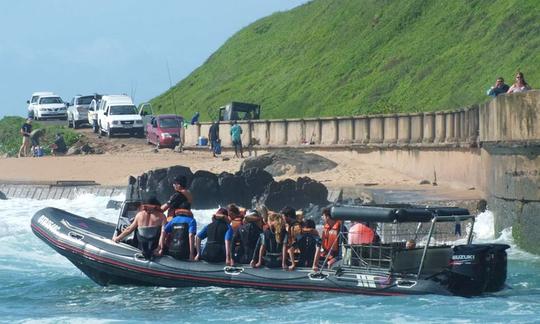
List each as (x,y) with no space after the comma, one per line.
(121,46)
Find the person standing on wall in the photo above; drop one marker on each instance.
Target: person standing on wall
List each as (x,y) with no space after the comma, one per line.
(26,130)
(236,137)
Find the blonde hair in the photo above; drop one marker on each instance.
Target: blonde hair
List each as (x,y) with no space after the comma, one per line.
(278,227)
(263,211)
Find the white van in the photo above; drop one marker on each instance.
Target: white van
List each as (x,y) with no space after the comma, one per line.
(117,114)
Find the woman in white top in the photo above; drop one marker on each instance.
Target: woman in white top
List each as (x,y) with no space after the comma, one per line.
(520,85)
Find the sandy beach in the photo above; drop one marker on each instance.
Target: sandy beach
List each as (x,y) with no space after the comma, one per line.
(115,168)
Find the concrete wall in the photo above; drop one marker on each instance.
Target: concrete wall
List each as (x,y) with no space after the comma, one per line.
(43,192)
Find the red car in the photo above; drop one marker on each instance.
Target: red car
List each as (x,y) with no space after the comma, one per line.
(164,130)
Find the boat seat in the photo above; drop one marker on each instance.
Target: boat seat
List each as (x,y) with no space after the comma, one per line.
(408,261)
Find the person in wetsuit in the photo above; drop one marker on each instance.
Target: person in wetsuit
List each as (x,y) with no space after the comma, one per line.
(180,197)
(218,235)
(306,243)
(273,244)
(246,237)
(178,236)
(148,223)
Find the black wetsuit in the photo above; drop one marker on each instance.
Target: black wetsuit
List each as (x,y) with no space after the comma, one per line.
(274,250)
(245,243)
(148,240)
(214,251)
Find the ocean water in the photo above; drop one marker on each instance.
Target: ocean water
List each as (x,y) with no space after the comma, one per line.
(39,286)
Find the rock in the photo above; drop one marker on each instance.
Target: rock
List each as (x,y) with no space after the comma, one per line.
(159,182)
(425,182)
(256,181)
(205,190)
(289,161)
(87,149)
(232,189)
(2,196)
(74,150)
(297,194)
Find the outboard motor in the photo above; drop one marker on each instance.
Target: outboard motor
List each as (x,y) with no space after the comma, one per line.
(497,267)
(478,268)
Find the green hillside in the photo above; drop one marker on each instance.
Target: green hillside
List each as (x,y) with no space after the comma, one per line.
(348,57)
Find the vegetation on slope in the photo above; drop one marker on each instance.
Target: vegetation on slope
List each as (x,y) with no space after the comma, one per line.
(350,57)
(11,140)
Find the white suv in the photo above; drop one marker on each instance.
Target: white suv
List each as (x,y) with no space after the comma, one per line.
(33,100)
(49,106)
(117,114)
(77,112)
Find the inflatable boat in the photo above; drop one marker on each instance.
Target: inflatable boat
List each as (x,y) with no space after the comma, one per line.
(384,268)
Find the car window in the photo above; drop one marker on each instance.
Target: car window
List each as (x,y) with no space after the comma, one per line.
(50,100)
(123,110)
(34,99)
(169,123)
(85,100)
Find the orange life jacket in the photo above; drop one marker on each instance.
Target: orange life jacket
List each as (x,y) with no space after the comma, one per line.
(237,222)
(361,234)
(330,240)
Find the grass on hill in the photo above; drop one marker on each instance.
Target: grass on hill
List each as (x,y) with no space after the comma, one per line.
(11,140)
(351,57)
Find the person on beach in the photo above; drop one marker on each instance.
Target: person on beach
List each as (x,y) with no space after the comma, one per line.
(499,88)
(520,85)
(59,146)
(180,197)
(26,130)
(218,235)
(236,137)
(35,136)
(273,244)
(148,223)
(213,137)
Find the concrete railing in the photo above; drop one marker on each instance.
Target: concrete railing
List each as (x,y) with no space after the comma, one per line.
(445,128)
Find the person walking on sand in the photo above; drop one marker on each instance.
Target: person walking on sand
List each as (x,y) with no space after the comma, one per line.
(236,137)
(26,130)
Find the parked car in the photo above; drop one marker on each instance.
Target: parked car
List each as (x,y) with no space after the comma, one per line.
(77,111)
(117,114)
(33,100)
(49,106)
(165,131)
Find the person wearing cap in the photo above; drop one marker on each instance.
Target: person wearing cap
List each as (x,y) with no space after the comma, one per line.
(246,237)
(218,235)
(180,197)
(26,130)
(148,223)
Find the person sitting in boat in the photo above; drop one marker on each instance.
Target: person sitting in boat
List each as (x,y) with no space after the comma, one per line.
(273,244)
(293,227)
(178,236)
(181,196)
(246,237)
(362,233)
(330,242)
(218,235)
(148,223)
(410,244)
(306,244)
(236,217)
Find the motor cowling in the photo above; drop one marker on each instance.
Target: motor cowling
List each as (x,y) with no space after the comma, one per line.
(478,268)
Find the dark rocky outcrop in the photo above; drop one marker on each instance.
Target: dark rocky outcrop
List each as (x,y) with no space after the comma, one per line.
(2,196)
(205,189)
(243,188)
(289,161)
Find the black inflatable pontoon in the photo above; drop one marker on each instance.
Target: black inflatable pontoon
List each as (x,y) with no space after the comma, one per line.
(388,268)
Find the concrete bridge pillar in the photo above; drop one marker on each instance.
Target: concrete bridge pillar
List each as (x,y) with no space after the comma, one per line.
(429,128)
(417,128)
(361,130)
(440,127)
(376,129)
(390,129)
(404,129)
(449,121)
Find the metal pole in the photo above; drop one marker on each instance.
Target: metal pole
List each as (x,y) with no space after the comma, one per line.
(433,221)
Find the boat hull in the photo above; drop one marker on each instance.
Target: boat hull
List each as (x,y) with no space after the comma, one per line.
(86,243)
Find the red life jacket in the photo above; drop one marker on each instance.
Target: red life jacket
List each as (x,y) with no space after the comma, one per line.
(330,240)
